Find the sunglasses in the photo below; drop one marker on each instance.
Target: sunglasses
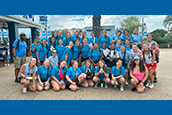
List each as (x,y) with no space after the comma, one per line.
(22,35)
(54,52)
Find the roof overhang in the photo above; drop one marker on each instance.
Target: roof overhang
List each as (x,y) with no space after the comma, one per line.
(22,22)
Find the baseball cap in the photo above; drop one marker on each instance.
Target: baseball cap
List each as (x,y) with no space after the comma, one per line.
(153,42)
(136,58)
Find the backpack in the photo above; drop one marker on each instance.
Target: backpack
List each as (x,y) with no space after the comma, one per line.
(18,44)
(123,60)
(156,56)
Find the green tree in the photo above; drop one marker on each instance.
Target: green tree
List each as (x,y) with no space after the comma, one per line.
(130,23)
(159,32)
(168,21)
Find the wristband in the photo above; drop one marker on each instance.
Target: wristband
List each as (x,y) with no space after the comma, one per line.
(151,65)
(47,81)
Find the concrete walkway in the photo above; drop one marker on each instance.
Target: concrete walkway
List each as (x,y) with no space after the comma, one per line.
(162,91)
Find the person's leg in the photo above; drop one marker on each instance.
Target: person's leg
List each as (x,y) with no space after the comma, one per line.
(122,81)
(106,80)
(133,83)
(32,88)
(151,85)
(140,89)
(25,84)
(109,69)
(84,83)
(155,77)
(56,86)
(126,77)
(96,79)
(90,82)
(39,87)
(82,76)
(5,62)
(63,87)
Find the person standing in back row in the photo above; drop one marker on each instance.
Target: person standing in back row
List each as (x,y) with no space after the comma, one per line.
(19,52)
(137,38)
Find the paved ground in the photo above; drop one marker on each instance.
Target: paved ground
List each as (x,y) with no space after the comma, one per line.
(162,91)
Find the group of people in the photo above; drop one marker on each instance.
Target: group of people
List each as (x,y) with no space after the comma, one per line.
(69,61)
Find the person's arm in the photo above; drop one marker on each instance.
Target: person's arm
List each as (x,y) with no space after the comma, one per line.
(34,74)
(48,80)
(91,60)
(37,55)
(142,42)
(57,62)
(131,74)
(33,50)
(106,75)
(14,52)
(55,79)
(51,63)
(69,80)
(129,62)
(66,56)
(158,51)
(22,70)
(120,76)
(153,59)
(101,56)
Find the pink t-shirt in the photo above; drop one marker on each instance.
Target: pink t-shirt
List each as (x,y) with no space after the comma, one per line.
(138,75)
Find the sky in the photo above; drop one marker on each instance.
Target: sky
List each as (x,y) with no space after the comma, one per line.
(80,21)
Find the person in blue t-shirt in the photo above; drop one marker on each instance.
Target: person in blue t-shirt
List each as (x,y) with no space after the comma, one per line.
(117,37)
(60,49)
(53,59)
(89,71)
(50,47)
(65,33)
(41,52)
(27,75)
(58,76)
(75,77)
(127,45)
(55,35)
(76,51)
(85,48)
(117,74)
(93,39)
(19,52)
(101,74)
(67,39)
(75,37)
(95,55)
(35,46)
(126,58)
(137,38)
(44,76)
(127,36)
(117,46)
(104,38)
(67,54)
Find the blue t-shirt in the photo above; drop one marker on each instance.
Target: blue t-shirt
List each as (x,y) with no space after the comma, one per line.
(118,72)
(127,56)
(75,52)
(128,48)
(55,72)
(124,38)
(115,37)
(42,52)
(84,69)
(42,72)
(56,41)
(84,51)
(60,50)
(66,42)
(53,60)
(21,49)
(49,51)
(73,39)
(73,73)
(26,71)
(101,75)
(34,53)
(137,39)
(117,48)
(69,52)
(95,55)
(93,40)
(102,40)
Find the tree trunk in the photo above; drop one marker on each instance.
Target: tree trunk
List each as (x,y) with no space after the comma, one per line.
(96,25)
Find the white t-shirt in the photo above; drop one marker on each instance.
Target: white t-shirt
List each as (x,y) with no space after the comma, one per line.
(111,54)
(105,52)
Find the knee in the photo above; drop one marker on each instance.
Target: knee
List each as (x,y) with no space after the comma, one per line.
(139,90)
(132,81)
(122,79)
(63,87)
(91,84)
(39,89)
(112,82)
(94,79)
(107,80)
(56,88)
(73,88)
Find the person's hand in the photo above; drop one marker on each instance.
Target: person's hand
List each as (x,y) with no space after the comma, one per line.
(73,83)
(38,61)
(80,44)
(128,67)
(26,78)
(96,64)
(141,84)
(42,84)
(114,79)
(113,41)
(110,59)
(136,80)
(46,83)
(15,57)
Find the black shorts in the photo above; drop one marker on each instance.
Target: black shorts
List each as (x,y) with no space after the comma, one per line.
(143,83)
(96,61)
(83,59)
(111,63)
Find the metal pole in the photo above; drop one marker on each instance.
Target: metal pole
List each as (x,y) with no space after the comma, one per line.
(142,25)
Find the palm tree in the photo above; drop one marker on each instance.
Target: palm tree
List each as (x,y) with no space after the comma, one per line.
(168,21)
(96,25)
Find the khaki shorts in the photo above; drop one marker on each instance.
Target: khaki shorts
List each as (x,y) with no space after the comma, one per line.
(18,62)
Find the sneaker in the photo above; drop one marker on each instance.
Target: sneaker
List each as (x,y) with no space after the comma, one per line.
(77,87)
(8,64)
(24,90)
(147,84)
(16,80)
(133,89)
(79,79)
(96,85)
(126,83)
(115,86)
(155,80)
(101,84)
(151,85)
(122,88)
(106,85)
(5,64)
